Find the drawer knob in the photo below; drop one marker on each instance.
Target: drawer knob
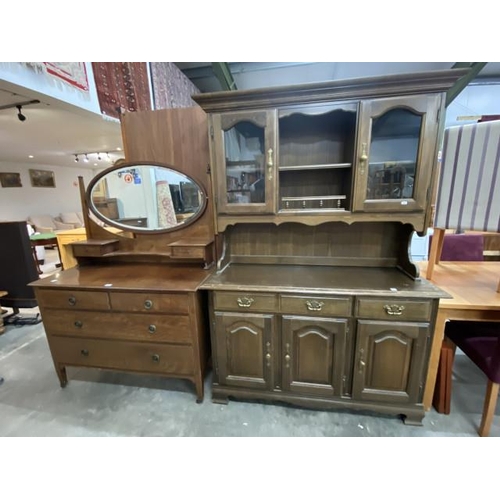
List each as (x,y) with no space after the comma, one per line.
(155,358)
(314,305)
(244,301)
(78,323)
(394,309)
(148,304)
(152,328)
(72,301)
(84,352)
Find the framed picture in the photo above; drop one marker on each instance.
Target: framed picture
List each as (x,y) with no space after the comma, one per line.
(10,180)
(42,178)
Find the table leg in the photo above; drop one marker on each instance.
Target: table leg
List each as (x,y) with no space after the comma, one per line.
(437,342)
(435,252)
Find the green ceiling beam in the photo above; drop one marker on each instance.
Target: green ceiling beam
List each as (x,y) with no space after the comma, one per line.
(474,69)
(223,74)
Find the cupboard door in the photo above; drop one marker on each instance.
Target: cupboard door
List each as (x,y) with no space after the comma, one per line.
(396,150)
(389,361)
(313,355)
(245,157)
(244,349)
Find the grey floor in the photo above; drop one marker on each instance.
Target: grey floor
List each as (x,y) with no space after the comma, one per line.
(102,403)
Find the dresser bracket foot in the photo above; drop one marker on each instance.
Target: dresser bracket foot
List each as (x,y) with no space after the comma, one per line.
(414,419)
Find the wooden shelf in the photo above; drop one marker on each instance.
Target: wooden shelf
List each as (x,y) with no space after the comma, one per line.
(314,198)
(324,166)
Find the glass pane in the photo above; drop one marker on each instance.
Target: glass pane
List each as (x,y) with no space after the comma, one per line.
(244,150)
(393,155)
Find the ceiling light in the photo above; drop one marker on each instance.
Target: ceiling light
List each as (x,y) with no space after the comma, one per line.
(19,114)
(86,159)
(118,149)
(76,158)
(108,158)
(30,156)
(95,164)
(99,156)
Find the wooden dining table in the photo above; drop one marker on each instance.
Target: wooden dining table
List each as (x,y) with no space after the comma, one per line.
(474,288)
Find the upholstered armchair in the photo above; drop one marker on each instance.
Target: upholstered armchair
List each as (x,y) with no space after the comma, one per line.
(47,224)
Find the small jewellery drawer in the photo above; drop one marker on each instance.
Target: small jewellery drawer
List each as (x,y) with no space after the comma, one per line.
(241,301)
(176,303)
(129,356)
(141,327)
(69,299)
(318,306)
(394,309)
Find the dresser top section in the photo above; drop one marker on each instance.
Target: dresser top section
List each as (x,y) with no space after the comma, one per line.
(317,92)
(322,280)
(136,277)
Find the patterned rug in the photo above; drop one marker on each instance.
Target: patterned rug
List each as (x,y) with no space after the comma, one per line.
(122,86)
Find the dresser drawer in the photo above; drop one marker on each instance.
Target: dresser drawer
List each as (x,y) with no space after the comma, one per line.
(176,303)
(394,309)
(129,356)
(241,301)
(316,306)
(140,327)
(72,299)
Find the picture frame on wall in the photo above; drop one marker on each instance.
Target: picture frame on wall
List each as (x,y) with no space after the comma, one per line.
(10,180)
(42,178)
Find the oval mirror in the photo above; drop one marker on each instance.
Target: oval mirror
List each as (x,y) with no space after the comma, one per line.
(145,197)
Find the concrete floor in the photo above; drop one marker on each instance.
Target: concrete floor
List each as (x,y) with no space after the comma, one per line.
(101,403)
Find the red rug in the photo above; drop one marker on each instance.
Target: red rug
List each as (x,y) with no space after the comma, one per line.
(122,86)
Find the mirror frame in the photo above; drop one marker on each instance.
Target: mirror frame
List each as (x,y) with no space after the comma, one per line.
(134,229)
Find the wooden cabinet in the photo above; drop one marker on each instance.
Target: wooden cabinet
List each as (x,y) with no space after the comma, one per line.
(315,300)
(330,356)
(128,324)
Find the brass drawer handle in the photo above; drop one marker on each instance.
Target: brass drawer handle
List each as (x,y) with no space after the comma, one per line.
(148,304)
(394,309)
(84,352)
(72,301)
(244,301)
(314,305)
(155,358)
(152,328)
(78,323)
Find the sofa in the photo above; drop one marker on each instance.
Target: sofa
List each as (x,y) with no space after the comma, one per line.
(46,223)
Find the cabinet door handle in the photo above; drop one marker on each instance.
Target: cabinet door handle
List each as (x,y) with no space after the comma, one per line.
(394,309)
(361,362)
(287,360)
(155,358)
(152,328)
(270,164)
(314,305)
(84,352)
(363,159)
(268,355)
(244,301)
(78,323)
(148,304)
(72,301)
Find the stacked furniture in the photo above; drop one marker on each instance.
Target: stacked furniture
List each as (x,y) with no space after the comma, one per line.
(318,189)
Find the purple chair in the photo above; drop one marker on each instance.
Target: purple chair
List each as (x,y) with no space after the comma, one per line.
(480,341)
(462,247)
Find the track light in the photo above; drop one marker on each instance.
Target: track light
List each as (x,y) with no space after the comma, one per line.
(19,114)
(99,156)
(86,159)
(76,158)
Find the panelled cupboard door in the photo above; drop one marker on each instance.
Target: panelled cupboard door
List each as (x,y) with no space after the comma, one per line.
(396,150)
(389,360)
(244,349)
(313,355)
(244,152)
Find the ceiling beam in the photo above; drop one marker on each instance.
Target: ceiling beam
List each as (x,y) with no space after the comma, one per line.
(474,69)
(223,74)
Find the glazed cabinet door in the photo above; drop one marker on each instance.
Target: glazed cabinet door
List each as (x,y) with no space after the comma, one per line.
(388,363)
(244,153)
(244,349)
(313,355)
(396,153)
